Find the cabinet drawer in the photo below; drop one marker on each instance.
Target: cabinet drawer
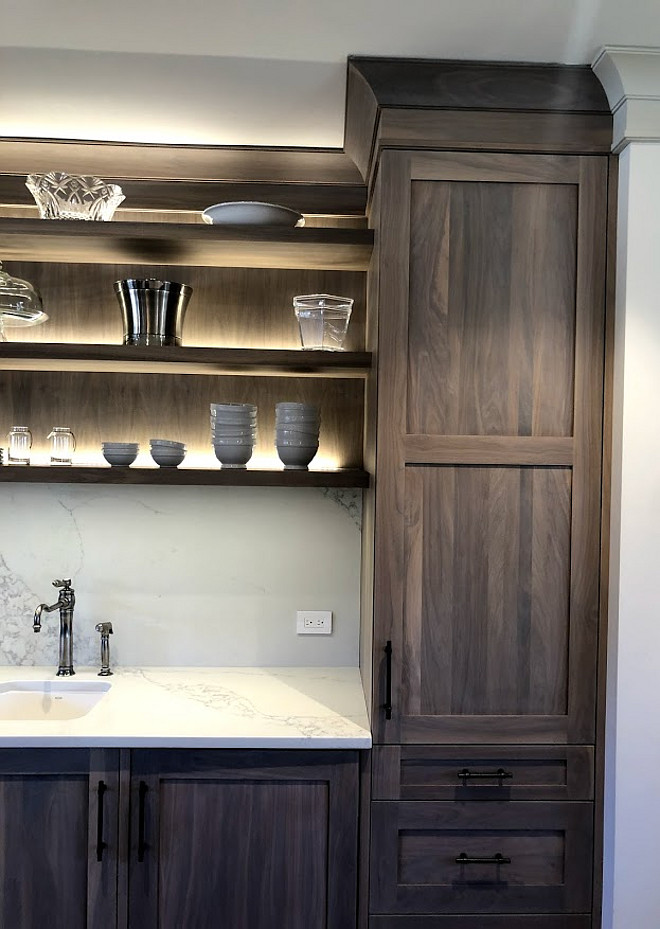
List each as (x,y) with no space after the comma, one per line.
(428,772)
(567,921)
(545,863)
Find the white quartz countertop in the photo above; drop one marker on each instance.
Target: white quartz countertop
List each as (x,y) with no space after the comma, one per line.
(201,708)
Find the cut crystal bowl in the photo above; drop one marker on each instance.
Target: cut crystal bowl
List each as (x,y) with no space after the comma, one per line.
(69,196)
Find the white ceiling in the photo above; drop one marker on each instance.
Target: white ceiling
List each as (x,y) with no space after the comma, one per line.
(261,72)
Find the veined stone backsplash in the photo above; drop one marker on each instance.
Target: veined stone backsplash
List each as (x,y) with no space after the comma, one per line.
(187,575)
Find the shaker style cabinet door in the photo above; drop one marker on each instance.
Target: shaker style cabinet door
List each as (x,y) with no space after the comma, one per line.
(243,840)
(58,838)
(491,315)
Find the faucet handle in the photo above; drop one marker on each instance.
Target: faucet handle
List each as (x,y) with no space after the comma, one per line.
(66,584)
(104,628)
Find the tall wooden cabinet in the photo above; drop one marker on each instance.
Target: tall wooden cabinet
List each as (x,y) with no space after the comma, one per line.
(491,250)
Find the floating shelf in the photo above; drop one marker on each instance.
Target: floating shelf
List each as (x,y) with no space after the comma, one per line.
(191,244)
(42,356)
(234,477)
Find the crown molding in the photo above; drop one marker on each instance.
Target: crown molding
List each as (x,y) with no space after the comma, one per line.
(631,79)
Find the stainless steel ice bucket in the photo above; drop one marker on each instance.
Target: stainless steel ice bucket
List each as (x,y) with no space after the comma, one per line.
(152,310)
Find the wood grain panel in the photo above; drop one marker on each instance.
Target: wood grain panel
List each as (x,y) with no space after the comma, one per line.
(256,838)
(186,244)
(590,352)
(135,408)
(427,772)
(230,307)
(140,160)
(415,846)
(43,850)
(490,625)
(177,359)
(198,195)
(488,450)
(389,551)
(446,83)
(277,878)
(569,133)
(490,342)
(483,921)
(489,167)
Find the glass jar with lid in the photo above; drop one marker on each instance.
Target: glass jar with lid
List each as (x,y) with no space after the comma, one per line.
(62,445)
(20,443)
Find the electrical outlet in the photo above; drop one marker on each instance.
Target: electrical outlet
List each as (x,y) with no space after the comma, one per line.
(314,622)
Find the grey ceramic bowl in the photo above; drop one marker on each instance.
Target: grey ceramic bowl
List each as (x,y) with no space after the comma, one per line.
(233,456)
(296,457)
(167,457)
(119,457)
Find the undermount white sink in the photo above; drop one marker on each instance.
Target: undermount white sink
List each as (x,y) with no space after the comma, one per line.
(49,700)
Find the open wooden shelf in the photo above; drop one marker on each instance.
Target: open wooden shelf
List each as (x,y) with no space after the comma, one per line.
(188,244)
(43,356)
(234,477)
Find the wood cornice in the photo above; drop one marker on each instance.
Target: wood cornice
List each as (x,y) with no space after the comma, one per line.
(472,105)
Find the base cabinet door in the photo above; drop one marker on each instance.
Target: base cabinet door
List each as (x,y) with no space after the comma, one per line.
(246,840)
(58,838)
(481,858)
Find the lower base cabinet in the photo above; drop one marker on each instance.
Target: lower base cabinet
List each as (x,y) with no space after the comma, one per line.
(178,839)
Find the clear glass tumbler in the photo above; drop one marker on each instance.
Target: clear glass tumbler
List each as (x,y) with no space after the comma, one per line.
(20,443)
(62,445)
(323,320)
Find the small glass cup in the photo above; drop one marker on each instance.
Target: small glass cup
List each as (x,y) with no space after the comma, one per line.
(20,443)
(62,445)
(322,320)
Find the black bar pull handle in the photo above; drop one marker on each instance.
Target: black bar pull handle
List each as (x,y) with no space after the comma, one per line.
(500,775)
(387,706)
(100,844)
(463,858)
(142,796)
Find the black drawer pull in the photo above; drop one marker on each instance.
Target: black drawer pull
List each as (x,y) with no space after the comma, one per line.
(100,844)
(142,845)
(387,706)
(500,775)
(496,859)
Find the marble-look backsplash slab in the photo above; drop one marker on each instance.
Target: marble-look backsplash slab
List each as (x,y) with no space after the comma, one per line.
(193,576)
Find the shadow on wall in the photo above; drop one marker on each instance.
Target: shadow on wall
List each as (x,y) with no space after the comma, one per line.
(178,99)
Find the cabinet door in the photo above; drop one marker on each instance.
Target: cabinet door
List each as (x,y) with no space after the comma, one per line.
(58,839)
(248,839)
(490,404)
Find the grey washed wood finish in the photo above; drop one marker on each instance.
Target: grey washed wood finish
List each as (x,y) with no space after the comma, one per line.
(490,400)
(492,308)
(490,365)
(434,772)
(416,870)
(487,602)
(49,872)
(245,839)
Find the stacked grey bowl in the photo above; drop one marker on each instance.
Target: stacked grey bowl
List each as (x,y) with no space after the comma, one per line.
(296,434)
(167,453)
(120,454)
(233,432)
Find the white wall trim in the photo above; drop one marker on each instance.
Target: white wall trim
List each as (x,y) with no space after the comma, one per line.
(631,79)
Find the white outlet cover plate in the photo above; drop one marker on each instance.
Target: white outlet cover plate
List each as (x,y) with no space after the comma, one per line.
(314,622)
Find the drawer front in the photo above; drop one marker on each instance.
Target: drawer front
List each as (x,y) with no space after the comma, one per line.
(427,772)
(567,921)
(461,858)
